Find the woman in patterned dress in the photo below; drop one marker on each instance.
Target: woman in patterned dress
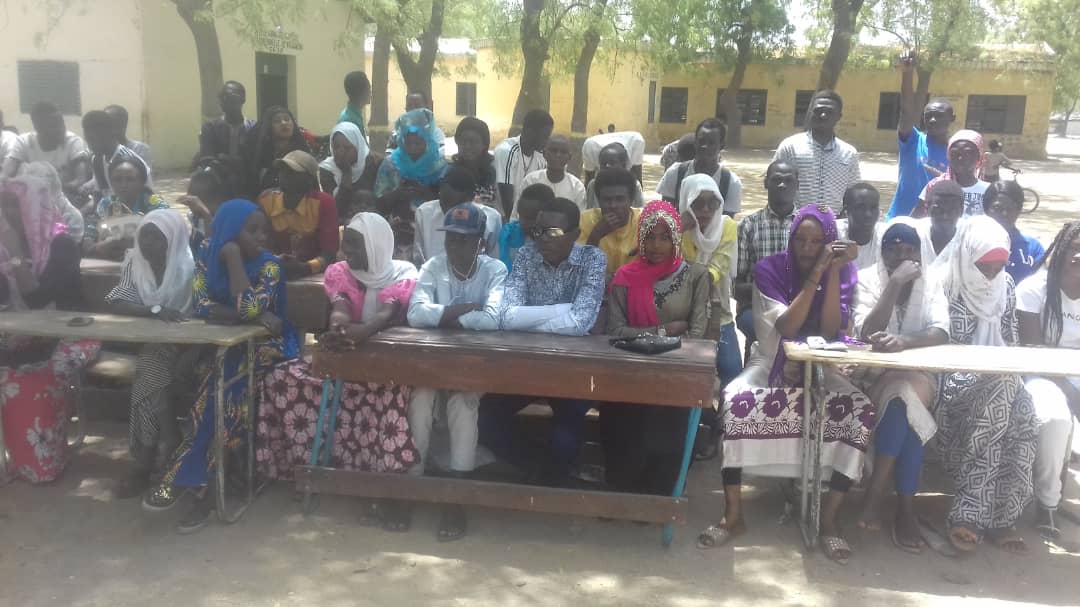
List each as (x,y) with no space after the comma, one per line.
(236,281)
(369,292)
(986,422)
(155,282)
(805,291)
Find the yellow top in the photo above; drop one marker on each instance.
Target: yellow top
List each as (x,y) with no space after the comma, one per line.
(619,246)
(720,266)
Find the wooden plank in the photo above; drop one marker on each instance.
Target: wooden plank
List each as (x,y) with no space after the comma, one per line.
(951,358)
(125,329)
(508,496)
(528,364)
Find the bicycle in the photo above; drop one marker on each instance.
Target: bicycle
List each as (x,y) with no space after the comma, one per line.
(1031,197)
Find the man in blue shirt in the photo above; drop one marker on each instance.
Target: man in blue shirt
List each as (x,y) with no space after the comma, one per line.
(1003,201)
(923,155)
(556,286)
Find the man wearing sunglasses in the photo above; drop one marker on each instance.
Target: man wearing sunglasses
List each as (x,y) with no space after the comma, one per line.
(556,286)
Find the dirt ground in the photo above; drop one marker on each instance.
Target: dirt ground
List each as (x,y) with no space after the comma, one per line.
(71,543)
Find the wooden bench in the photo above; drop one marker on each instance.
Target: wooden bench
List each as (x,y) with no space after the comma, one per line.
(531,365)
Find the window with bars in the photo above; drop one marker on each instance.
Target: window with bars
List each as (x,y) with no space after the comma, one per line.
(466,99)
(752,105)
(802,104)
(673,102)
(996,113)
(888,111)
(54,81)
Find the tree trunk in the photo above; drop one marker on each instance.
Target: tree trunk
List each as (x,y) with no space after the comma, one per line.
(208,51)
(580,118)
(730,97)
(534,50)
(417,72)
(380,82)
(1068,116)
(845,15)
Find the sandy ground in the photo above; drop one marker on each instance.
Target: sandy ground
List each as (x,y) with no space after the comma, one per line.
(70,543)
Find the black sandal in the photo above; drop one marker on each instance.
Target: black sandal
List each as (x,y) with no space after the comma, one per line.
(453,523)
(396,516)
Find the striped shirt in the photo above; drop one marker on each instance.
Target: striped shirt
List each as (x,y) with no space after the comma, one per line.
(825,171)
(511,165)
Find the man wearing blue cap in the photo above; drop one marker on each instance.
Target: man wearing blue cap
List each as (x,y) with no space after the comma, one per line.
(458,289)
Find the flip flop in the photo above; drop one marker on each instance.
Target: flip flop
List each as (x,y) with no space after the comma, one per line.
(714,536)
(906,547)
(1010,537)
(935,539)
(962,546)
(453,524)
(833,546)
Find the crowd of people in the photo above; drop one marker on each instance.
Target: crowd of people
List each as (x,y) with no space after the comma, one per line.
(506,238)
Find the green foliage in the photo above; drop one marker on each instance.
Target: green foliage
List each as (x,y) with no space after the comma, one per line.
(1057,24)
(935,30)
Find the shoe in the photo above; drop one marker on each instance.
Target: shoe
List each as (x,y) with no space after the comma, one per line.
(196,518)
(162,498)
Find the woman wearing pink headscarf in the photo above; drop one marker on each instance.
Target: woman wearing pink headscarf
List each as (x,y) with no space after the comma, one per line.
(658,292)
(39,268)
(966,151)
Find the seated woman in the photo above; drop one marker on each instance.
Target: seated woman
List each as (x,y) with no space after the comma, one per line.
(303,220)
(348,170)
(368,293)
(39,269)
(899,308)
(986,422)
(1048,308)
(71,217)
(411,173)
(807,290)
(132,197)
(156,283)
(659,290)
(711,238)
(271,139)
(965,161)
(473,140)
(236,281)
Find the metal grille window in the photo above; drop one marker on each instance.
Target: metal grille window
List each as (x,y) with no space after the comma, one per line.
(802,104)
(673,101)
(752,103)
(888,111)
(53,81)
(996,113)
(466,99)
(652,101)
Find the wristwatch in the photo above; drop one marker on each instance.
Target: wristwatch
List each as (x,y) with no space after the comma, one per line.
(155,309)
(17,262)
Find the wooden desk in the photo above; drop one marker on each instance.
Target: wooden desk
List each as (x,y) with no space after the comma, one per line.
(129,329)
(936,359)
(518,363)
(308,304)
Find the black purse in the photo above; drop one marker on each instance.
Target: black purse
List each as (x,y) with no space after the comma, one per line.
(648,344)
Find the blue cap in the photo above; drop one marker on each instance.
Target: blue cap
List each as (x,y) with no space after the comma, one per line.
(466,218)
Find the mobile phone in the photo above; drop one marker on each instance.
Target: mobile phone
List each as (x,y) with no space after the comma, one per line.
(81,321)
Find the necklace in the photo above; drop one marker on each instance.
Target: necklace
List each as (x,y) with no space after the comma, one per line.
(463,277)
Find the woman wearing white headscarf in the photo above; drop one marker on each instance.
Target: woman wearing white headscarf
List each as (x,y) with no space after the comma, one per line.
(368,292)
(345,172)
(710,238)
(156,281)
(986,423)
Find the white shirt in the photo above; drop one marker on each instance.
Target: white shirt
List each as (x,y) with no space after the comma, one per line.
(869,253)
(7,141)
(632,141)
(438,287)
(825,171)
(431,241)
(25,148)
(973,197)
(511,165)
(1031,297)
(670,181)
(569,188)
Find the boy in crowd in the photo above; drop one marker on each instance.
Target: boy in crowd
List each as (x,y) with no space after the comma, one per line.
(358,92)
(518,156)
(563,184)
(457,187)
(709,141)
(100,132)
(119,116)
(613,227)
(613,156)
(862,207)
(51,142)
(515,234)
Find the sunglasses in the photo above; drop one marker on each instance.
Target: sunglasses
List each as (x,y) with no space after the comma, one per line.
(547,233)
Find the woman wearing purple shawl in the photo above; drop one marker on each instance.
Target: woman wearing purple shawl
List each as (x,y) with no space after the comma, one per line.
(805,291)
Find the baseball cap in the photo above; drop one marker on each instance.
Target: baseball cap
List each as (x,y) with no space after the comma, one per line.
(300,161)
(465,218)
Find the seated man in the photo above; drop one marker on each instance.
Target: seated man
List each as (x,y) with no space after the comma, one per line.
(556,287)
(862,207)
(898,308)
(1003,201)
(613,227)
(100,132)
(458,289)
(515,234)
(761,234)
(119,116)
(457,187)
(51,142)
(613,156)
(565,185)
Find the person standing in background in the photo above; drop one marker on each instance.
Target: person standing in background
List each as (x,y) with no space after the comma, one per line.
(358,91)
(119,116)
(827,164)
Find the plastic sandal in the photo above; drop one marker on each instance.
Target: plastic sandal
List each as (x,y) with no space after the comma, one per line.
(836,549)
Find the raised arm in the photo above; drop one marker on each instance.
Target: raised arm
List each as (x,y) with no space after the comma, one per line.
(909,110)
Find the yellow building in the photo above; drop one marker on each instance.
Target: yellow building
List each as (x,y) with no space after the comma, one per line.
(139,54)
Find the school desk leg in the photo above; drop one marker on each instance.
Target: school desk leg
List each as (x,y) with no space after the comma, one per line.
(222,385)
(309,501)
(809,415)
(219,430)
(693,419)
(331,424)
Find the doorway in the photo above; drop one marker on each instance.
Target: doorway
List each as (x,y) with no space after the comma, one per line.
(271,81)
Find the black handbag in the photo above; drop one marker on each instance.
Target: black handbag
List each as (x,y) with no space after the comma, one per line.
(648,344)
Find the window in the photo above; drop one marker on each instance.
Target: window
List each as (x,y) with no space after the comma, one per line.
(802,104)
(54,81)
(888,111)
(673,104)
(752,104)
(996,113)
(466,99)
(652,101)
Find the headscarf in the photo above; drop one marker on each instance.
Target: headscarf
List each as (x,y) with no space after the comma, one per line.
(54,195)
(427,169)
(970,136)
(356,139)
(708,237)
(228,223)
(41,224)
(901,229)
(175,290)
(486,175)
(986,299)
(639,276)
(777,277)
(383,270)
